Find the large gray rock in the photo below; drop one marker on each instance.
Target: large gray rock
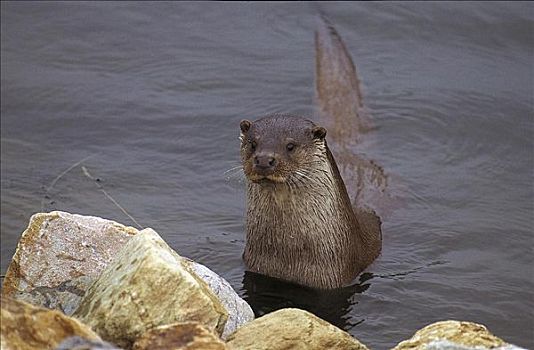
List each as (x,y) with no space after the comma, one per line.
(146,286)
(454,335)
(66,297)
(79,343)
(448,345)
(58,247)
(239,311)
(291,329)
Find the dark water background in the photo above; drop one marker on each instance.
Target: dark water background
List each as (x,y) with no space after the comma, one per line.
(153,94)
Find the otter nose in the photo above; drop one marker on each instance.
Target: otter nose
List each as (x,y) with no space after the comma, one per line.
(265,162)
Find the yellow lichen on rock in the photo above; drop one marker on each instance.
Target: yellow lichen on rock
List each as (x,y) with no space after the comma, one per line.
(462,333)
(146,286)
(26,327)
(13,280)
(291,329)
(179,336)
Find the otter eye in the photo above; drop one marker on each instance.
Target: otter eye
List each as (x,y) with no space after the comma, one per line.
(290,146)
(253,145)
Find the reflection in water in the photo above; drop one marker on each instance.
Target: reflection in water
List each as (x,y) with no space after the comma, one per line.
(266,294)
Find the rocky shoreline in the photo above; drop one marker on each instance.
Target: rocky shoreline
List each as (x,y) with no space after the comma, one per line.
(82,282)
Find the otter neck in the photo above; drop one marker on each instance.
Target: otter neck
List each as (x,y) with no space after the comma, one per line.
(304,223)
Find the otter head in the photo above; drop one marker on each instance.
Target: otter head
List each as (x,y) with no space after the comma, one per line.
(281,149)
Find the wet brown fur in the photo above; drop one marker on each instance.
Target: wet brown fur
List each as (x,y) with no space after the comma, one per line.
(301,225)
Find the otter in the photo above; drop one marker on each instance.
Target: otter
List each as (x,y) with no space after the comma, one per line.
(301,226)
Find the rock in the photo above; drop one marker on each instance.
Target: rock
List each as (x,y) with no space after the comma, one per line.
(179,336)
(26,327)
(449,335)
(75,249)
(239,311)
(82,246)
(146,286)
(66,297)
(79,343)
(58,247)
(291,329)
(447,345)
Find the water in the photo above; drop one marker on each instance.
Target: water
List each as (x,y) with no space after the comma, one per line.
(153,95)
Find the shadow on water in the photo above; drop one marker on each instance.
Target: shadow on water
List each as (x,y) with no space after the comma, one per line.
(266,294)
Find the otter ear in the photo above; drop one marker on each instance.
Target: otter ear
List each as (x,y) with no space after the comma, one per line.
(318,132)
(245,125)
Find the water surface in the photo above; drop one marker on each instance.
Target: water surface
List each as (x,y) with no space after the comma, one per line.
(150,97)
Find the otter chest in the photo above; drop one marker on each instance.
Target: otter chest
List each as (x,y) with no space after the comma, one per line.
(286,221)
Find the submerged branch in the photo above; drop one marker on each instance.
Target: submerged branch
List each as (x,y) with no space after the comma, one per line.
(53,183)
(101,188)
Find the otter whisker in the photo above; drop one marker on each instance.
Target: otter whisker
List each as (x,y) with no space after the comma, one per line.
(237,176)
(233,173)
(303,175)
(234,169)
(301,180)
(310,175)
